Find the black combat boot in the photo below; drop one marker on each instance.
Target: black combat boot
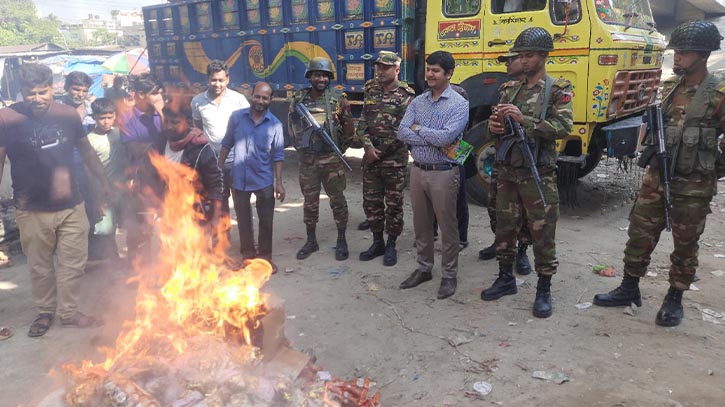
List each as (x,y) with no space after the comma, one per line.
(671,313)
(542,303)
(341,252)
(624,295)
(523,267)
(505,284)
(391,255)
(377,248)
(488,253)
(310,246)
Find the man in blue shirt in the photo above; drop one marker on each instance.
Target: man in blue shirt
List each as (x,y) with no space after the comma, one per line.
(256,135)
(433,121)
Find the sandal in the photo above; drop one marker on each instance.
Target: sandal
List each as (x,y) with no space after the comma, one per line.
(81,320)
(41,324)
(5,333)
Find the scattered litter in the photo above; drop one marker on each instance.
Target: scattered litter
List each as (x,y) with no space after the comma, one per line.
(301,334)
(556,377)
(291,317)
(482,388)
(651,274)
(719,256)
(624,229)
(372,286)
(289,270)
(693,287)
(710,372)
(415,377)
(324,376)
(519,282)
(512,324)
(336,272)
(602,175)
(584,305)
(710,315)
(631,310)
(718,273)
(457,340)
(504,344)
(604,270)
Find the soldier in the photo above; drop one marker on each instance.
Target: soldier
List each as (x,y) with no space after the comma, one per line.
(515,70)
(318,163)
(542,106)
(386,158)
(694,116)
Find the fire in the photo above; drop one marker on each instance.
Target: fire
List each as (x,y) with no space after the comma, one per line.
(192,292)
(197,339)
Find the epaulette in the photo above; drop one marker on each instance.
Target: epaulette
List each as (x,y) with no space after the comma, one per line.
(369,84)
(561,83)
(406,87)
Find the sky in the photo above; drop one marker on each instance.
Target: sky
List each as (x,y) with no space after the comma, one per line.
(70,10)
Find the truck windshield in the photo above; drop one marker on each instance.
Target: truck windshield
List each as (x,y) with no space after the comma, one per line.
(629,13)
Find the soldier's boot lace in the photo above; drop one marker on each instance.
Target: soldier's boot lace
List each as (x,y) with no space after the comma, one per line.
(488,253)
(505,284)
(376,249)
(624,295)
(341,252)
(671,313)
(542,303)
(310,245)
(523,266)
(391,254)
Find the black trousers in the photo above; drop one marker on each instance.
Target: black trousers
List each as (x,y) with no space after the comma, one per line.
(265,213)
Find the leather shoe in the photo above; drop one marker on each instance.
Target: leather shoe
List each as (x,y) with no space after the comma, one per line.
(488,253)
(447,288)
(417,278)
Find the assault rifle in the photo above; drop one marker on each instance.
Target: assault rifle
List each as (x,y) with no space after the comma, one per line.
(654,116)
(518,137)
(302,110)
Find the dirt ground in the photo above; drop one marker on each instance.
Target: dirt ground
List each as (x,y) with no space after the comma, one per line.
(352,316)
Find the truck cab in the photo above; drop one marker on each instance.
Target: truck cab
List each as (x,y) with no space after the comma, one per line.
(609,50)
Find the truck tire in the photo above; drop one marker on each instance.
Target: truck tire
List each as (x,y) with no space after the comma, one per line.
(481,159)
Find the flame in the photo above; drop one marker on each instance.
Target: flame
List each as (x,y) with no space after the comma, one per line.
(192,292)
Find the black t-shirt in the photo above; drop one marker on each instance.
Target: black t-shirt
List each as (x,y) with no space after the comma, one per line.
(41,154)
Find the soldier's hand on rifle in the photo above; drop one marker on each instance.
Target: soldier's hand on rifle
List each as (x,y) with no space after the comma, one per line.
(511,111)
(495,124)
(372,154)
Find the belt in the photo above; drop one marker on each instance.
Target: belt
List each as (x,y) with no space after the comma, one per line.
(435,167)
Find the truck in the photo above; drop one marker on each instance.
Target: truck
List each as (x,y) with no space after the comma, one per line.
(610,51)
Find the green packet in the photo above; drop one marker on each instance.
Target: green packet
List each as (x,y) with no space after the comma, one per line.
(459,151)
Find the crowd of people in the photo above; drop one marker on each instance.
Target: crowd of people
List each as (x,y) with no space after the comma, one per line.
(82,169)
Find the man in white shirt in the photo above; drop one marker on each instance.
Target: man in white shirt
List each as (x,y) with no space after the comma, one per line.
(211,110)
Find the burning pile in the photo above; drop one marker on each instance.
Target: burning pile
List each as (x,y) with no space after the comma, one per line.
(204,335)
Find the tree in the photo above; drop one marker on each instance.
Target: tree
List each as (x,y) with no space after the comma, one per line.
(20,25)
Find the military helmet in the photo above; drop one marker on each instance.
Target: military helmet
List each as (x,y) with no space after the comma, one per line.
(319,64)
(533,39)
(695,36)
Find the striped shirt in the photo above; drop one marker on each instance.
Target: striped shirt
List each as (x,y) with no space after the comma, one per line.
(442,121)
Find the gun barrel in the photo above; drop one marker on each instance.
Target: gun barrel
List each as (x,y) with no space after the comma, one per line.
(302,110)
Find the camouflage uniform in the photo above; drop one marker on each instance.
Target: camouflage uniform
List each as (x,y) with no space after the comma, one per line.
(318,165)
(524,236)
(691,137)
(516,189)
(384,179)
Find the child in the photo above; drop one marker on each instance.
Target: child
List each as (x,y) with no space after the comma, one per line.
(105,140)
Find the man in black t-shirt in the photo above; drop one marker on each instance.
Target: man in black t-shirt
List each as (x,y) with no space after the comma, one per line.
(39,136)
